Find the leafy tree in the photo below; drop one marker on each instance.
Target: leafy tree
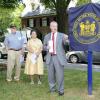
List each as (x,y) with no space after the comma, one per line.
(5,18)
(9,3)
(6,9)
(16,15)
(10,16)
(82,2)
(60,7)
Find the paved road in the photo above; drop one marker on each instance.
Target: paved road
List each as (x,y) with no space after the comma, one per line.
(78,66)
(82,67)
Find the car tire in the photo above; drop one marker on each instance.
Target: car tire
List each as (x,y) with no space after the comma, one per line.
(74,59)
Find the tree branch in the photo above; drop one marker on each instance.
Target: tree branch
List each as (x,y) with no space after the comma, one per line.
(67,2)
(54,1)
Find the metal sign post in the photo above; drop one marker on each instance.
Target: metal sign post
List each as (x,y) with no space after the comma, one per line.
(90,72)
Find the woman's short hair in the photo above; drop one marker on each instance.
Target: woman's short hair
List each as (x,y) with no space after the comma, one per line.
(33,31)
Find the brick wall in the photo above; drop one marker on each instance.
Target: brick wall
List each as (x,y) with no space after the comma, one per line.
(41,29)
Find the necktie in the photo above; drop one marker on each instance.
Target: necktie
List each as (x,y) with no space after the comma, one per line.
(53,39)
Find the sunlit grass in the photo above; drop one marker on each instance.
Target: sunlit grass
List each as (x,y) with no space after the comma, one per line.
(75,87)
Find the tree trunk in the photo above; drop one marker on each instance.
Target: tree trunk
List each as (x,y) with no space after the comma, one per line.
(62,19)
(62,16)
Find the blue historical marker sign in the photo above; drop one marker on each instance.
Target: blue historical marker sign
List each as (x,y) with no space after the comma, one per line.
(84,27)
(84,33)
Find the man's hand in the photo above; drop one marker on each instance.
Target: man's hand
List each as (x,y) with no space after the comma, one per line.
(65,37)
(66,41)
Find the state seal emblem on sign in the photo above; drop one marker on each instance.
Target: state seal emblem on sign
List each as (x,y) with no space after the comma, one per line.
(86,29)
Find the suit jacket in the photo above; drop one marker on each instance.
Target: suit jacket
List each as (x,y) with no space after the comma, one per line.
(60,42)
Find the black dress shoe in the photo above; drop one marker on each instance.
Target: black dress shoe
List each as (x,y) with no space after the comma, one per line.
(61,93)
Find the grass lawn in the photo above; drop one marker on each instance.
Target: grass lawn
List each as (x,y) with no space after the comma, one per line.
(75,88)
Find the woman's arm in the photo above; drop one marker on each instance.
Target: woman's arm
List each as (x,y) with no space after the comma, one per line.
(29,47)
(40,49)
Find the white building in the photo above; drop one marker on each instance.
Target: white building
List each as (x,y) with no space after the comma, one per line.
(95,1)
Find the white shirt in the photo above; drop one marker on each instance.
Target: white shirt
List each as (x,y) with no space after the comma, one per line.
(55,38)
